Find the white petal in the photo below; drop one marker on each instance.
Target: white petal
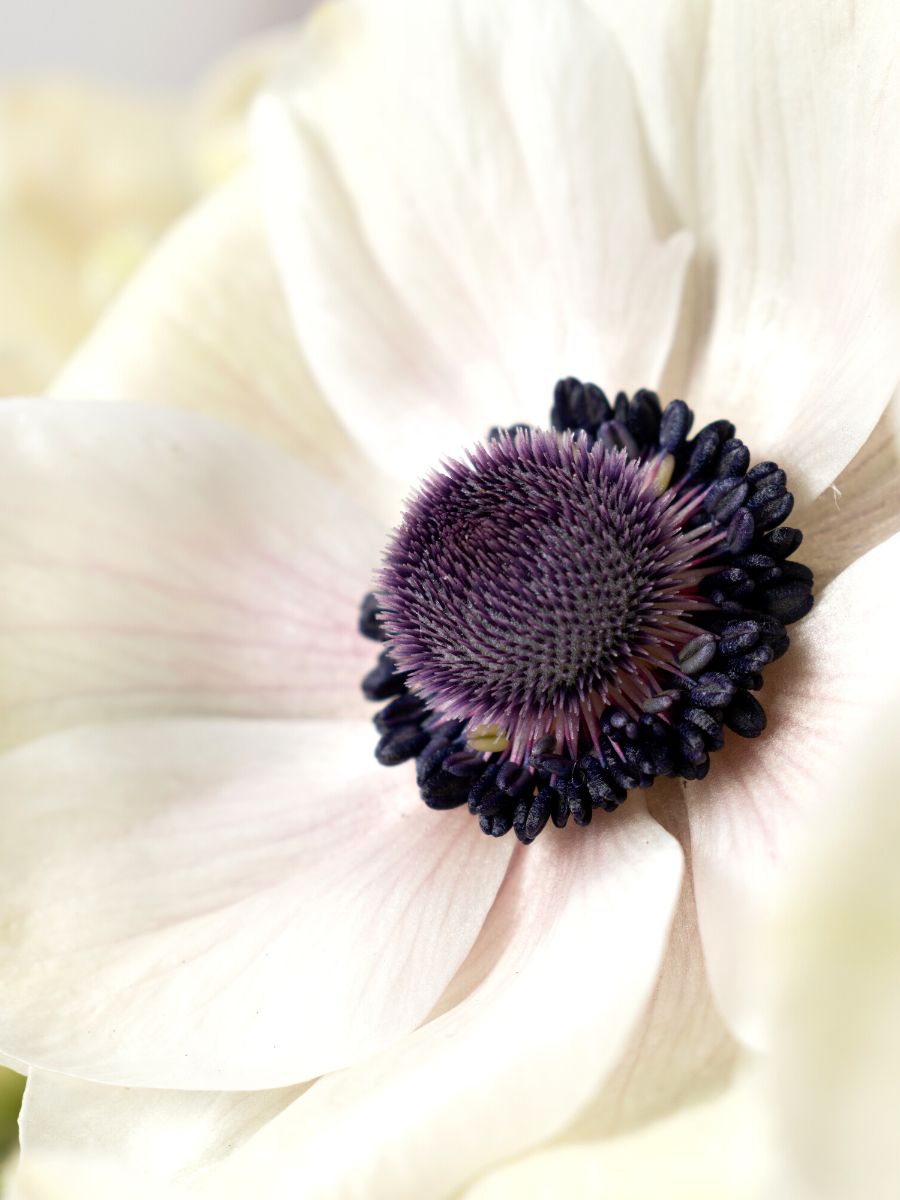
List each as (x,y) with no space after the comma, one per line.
(860,511)
(204,326)
(145,1133)
(758,804)
(453,246)
(704,1152)
(680,1050)
(156,561)
(549,994)
(800,175)
(836,1036)
(225,904)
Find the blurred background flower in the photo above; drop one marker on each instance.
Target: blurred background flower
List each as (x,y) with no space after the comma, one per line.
(106,135)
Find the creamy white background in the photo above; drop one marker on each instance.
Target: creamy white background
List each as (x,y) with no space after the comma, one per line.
(138,43)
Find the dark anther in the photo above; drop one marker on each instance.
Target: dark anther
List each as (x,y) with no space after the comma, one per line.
(711,690)
(708,724)
(369,625)
(483,789)
(738,636)
(400,744)
(433,753)
(616,436)
(601,787)
(788,601)
(782,542)
(745,715)
(559,808)
(444,791)
(551,764)
(513,779)
(405,709)
(643,417)
(464,763)
(384,680)
(741,529)
(730,498)
(697,654)
(538,814)
(734,459)
(578,406)
(580,807)
(496,826)
(675,425)
(774,512)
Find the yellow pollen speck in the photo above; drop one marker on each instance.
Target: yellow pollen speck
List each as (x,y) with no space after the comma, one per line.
(487,738)
(663,476)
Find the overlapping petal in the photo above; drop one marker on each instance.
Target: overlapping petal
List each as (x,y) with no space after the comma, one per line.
(536,1017)
(159,1136)
(225,904)
(204,326)
(156,561)
(748,818)
(452,247)
(798,145)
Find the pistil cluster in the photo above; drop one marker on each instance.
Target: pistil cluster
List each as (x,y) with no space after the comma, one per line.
(573,612)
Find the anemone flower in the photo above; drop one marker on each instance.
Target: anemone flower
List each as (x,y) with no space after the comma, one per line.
(236,941)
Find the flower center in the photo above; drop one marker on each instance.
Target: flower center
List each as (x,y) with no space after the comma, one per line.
(541,582)
(572,612)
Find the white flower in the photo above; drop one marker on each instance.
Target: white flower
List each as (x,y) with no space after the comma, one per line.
(210,888)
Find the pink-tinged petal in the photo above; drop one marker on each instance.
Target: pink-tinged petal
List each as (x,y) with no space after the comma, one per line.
(204,326)
(157,561)
(226,904)
(453,247)
(680,1051)
(860,511)
(546,1001)
(799,193)
(151,1134)
(752,813)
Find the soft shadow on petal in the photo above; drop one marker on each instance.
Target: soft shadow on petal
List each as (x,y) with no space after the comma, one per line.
(704,1152)
(680,1050)
(750,816)
(204,326)
(150,1133)
(861,510)
(552,988)
(157,561)
(453,246)
(799,137)
(226,904)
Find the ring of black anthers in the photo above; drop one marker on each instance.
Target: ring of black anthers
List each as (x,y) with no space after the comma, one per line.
(740,593)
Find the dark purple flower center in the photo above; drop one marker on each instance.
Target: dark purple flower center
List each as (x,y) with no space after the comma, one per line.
(541,582)
(573,612)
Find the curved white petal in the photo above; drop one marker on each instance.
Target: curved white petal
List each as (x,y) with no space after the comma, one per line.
(861,510)
(156,561)
(204,326)
(225,904)
(703,1152)
(679,1051)
(835,1067)
(453,246)
(799,172)
(151,1134)
(749,817)
(548,996)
